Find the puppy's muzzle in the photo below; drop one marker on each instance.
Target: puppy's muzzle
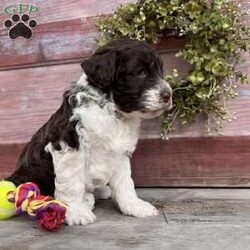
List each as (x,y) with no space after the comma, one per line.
(165,95)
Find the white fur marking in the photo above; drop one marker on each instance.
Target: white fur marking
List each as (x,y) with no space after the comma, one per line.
(83,80)
(70,183)
(123,192)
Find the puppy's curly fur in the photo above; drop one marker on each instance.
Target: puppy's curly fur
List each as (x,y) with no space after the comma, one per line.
(86,145)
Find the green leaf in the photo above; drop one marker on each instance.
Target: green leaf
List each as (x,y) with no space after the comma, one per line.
(162,11)
(214,40)
(196,77)
(174,2)
(137,19)
(143,17)
(203,93)
(218,68)
(125,29)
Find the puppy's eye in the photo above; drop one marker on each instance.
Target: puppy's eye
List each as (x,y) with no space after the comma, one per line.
(141,73)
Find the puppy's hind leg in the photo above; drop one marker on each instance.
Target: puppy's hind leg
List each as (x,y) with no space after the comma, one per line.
(70,183)
(103,193)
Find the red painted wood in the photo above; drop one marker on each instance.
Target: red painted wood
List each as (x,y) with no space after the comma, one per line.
(60,42)
(8,158)
(28,97)
(178,162)
(238,127)
(66,31)
(51,42)
(214,161)
(60,10)
(65,35)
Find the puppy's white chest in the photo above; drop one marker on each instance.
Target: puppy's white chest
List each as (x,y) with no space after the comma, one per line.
(106,139)
(100,128)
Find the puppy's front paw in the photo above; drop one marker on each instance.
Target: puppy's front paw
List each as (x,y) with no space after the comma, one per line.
(89,200)
(139,208)
(79,214)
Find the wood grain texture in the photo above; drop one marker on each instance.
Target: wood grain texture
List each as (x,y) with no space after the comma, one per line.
(66,34)
(29,96)
(57,40)
(214,161)
(60,10)
(182,162)
(60,43)
(9,154)
(238,127)
(66,31)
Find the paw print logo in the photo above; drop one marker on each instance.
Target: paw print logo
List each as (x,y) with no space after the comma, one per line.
(20,26)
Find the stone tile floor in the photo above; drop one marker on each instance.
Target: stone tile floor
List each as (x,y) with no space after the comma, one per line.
(189,219)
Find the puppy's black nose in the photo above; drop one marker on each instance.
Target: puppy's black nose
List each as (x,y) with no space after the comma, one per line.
(165,96)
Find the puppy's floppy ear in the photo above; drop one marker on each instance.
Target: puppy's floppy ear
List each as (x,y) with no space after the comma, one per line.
(100,68)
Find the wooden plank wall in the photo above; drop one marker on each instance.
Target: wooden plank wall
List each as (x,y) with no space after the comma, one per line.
(35,72)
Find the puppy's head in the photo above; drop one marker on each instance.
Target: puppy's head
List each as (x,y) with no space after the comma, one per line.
(131,73)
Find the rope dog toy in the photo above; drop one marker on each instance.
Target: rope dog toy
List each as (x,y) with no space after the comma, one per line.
(50,214)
